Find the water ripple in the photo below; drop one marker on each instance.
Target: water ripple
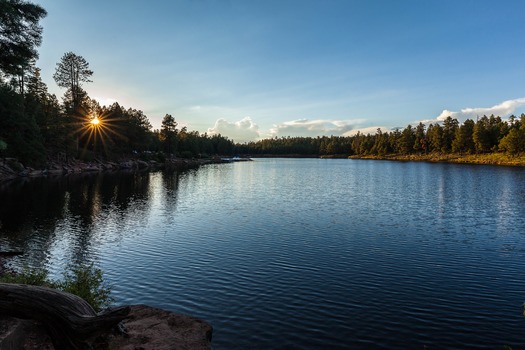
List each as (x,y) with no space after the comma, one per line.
(303,254)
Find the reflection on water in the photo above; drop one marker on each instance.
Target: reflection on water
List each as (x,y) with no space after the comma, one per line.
(296,253)
(71,214)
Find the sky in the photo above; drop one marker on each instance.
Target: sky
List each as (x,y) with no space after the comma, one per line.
(253,69)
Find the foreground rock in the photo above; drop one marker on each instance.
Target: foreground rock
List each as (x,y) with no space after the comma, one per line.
(147,328)
(154,329)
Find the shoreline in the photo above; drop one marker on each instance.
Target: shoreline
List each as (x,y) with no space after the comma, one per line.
(11,168)
(145,327)
(499,159)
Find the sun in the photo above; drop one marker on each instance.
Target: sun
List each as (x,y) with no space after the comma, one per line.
(95,130)
(95,121)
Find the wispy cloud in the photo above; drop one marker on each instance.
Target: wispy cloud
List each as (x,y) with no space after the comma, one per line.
(368,130)
(313,128)
(246,130)
(242,131)
(504,109)
(105,101)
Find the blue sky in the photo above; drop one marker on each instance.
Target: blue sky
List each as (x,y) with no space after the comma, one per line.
(251,69)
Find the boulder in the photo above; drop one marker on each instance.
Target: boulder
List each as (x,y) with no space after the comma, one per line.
(142,164)
(127,164)
(155,329)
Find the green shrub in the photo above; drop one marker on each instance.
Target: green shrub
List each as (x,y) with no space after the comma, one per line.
(85,281)
(34,277)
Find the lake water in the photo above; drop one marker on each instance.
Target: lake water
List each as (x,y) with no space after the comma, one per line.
(296,253)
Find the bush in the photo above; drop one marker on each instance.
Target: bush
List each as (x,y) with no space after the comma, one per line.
(34,277)
(85,281)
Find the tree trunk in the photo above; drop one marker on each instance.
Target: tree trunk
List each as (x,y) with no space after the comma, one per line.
(70,320)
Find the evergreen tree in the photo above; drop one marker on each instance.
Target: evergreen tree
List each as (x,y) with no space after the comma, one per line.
(35,86)
(356,142)
(18,130)
(513,142)
(487,133)
(450,125)
(464,141)
(435,137)
(20,34)
(407,140)
(168,133)
(71,72)
(420,143)
(381,143)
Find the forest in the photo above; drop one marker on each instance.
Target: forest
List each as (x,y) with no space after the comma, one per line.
(37,127)
(485,135)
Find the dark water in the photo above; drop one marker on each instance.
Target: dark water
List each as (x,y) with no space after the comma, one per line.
(297,253)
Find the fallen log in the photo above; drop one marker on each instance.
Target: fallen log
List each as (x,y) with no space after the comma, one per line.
(69,319)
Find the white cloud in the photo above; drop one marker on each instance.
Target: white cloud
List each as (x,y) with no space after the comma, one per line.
(372,130)
(313,128)
(242,131)
(105,101)
(504,109)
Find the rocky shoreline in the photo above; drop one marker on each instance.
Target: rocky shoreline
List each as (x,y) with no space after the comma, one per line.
(11,168)
(145,328)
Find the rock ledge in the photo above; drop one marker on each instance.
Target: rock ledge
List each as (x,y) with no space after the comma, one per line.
(147,329)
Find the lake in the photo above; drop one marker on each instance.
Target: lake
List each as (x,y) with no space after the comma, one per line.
(296,253)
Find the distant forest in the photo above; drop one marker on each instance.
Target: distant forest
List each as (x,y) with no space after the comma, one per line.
(36,127)
(485,135)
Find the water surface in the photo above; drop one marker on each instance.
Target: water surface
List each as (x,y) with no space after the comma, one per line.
(296,253)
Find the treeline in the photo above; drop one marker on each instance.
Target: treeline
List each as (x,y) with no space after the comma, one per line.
(36,127)
(485,135)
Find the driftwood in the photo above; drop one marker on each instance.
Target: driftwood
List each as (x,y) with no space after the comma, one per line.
(69,319)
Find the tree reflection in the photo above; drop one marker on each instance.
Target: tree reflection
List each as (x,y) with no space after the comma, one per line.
(61,217)
(170,182)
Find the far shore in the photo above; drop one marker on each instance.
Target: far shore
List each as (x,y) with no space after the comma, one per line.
(502,159)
